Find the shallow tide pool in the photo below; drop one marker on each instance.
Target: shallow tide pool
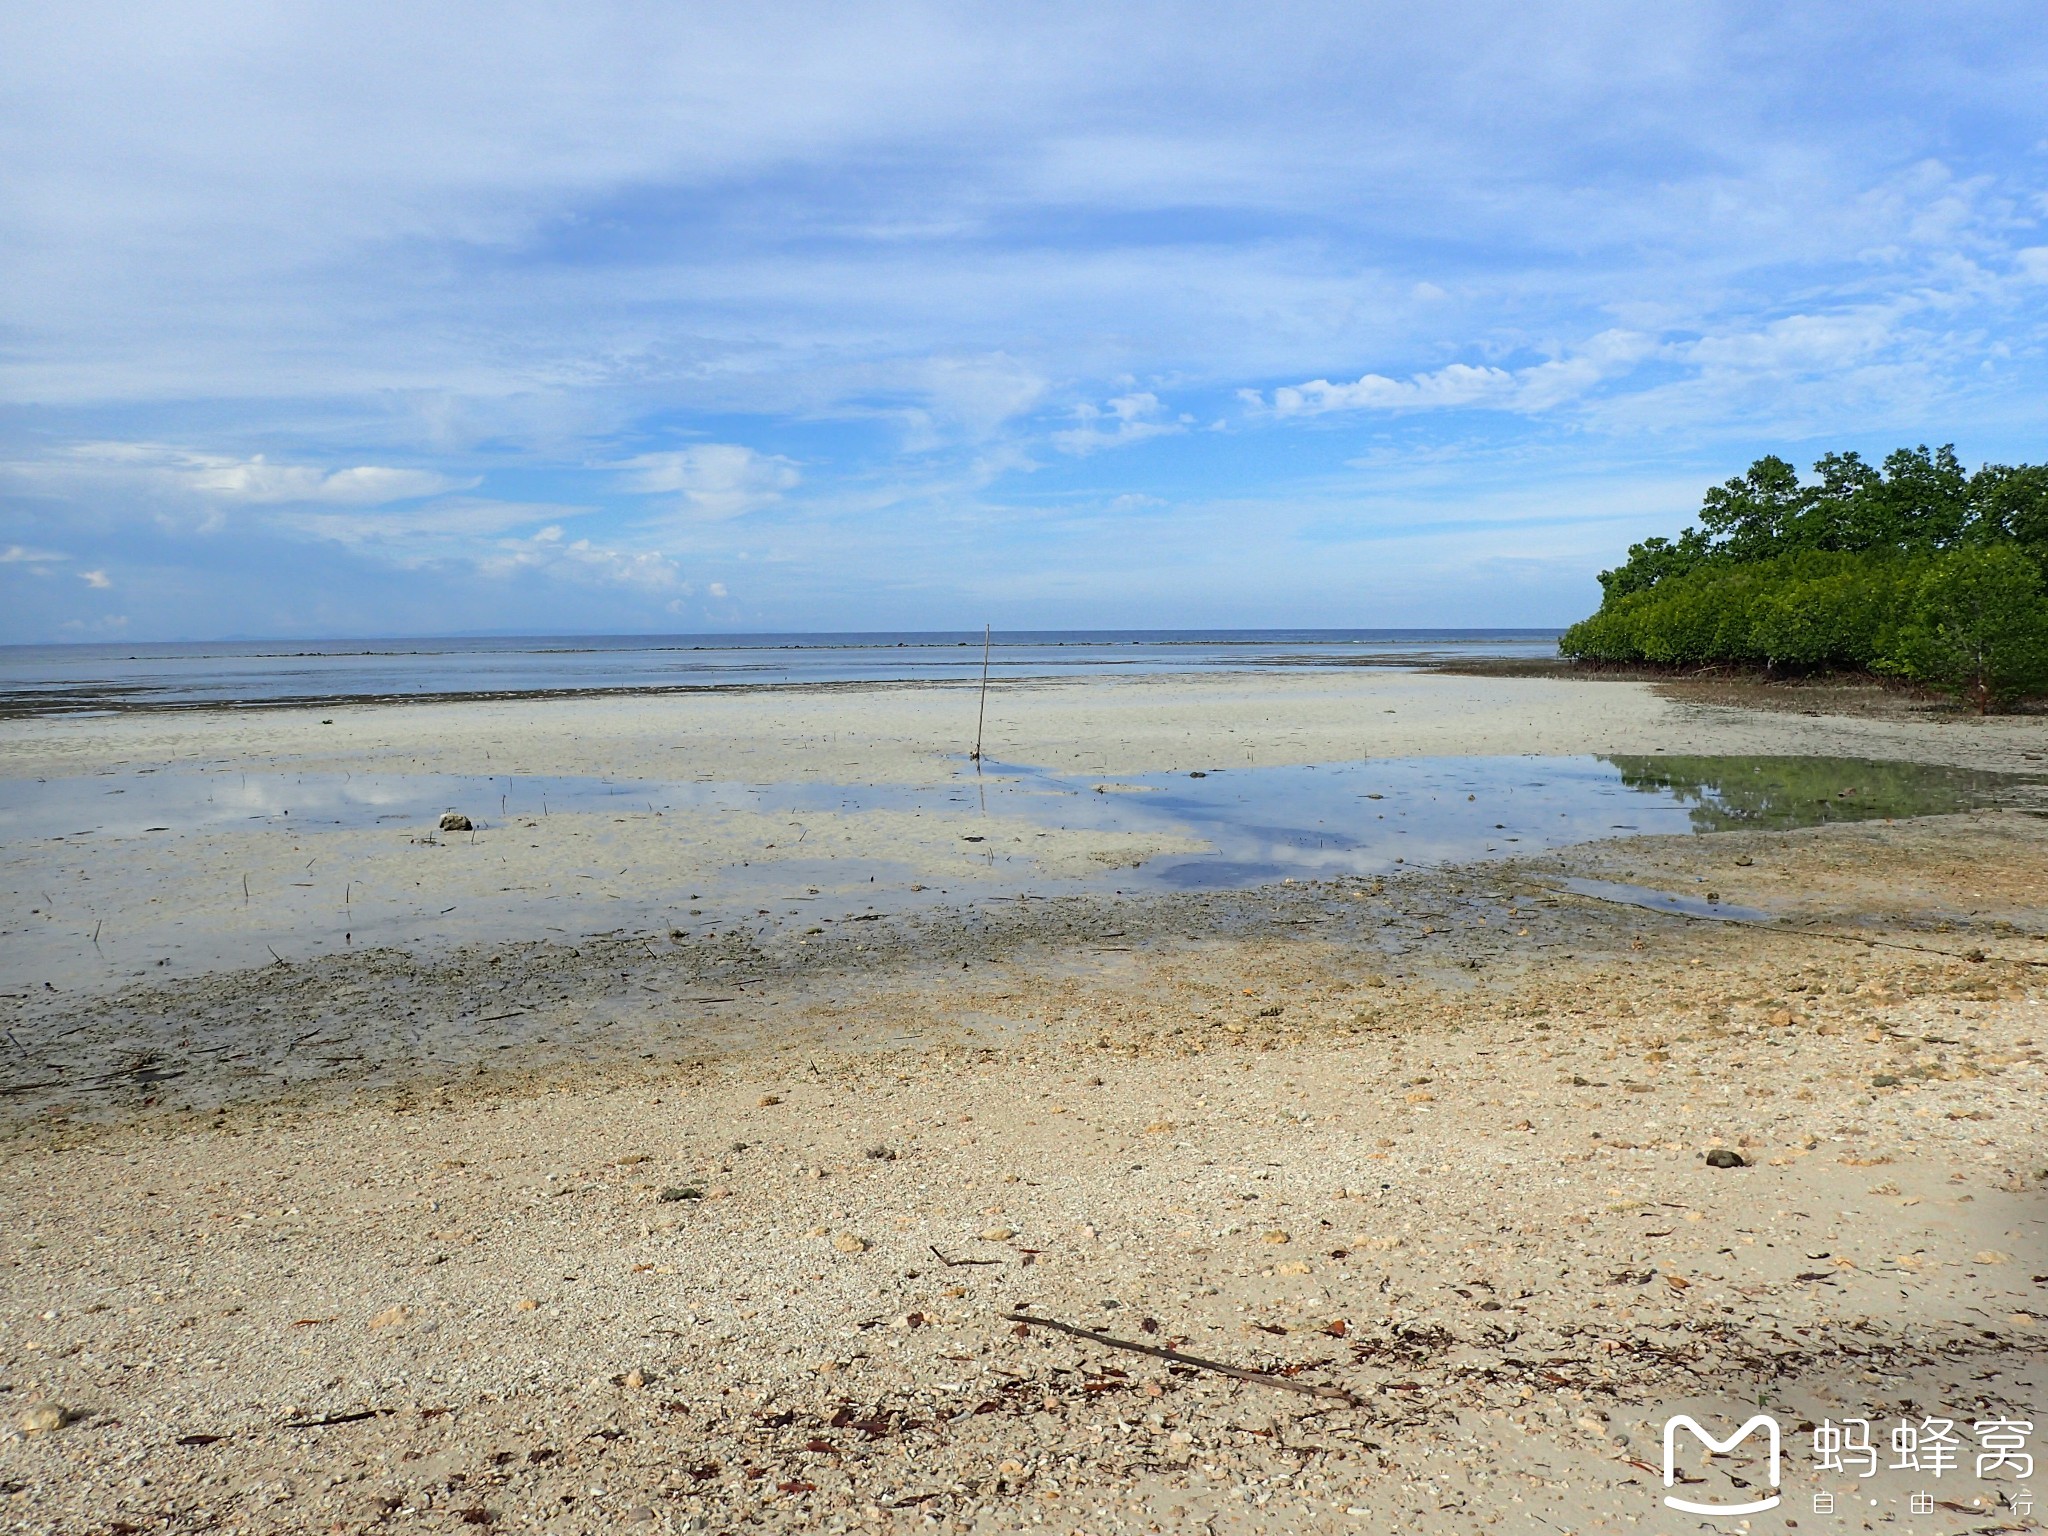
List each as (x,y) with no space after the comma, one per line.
(136,872)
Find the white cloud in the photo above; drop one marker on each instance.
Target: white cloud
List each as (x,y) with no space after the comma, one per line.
(716,589)
(1458,384)
(1795,344)
(435,525)
(1536,388)
(366,485)
(1126,419)
(223,478)
(718,481)
(551,553)
(97,579)
(21,554)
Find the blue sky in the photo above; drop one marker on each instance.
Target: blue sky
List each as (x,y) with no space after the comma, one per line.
(365,319)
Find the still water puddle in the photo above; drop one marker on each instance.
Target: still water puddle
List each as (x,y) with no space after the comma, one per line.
(1259,824)
(148,872)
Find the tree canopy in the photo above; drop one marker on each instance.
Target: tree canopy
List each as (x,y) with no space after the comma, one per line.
(1915,567)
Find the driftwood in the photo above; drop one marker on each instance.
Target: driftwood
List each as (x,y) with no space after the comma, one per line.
(1174,1356)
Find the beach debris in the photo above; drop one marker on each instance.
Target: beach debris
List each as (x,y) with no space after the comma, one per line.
(961,1263)
(1026,1321)
(1726,1157)
(327,1420)
(454,821)
(41,1418)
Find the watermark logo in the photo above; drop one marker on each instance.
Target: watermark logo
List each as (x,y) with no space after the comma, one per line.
(1773,1443)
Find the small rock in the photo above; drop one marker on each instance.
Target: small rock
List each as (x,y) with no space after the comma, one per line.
(998,1234)
(1992,1256)
(1277,1238)
(1884,1080)
(634,1379)
(526,1304)
(391,1317)
(676,1192)
(846,1242)
(41,1418)
(1744,860)
(770,1100)
(1726,1157)
(455,821)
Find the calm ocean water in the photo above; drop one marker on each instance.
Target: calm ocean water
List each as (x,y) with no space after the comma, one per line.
(51,679)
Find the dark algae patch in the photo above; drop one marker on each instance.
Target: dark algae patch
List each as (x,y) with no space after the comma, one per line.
(1724,794)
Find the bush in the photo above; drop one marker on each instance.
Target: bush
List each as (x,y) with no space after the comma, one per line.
(1915,568)
(1978,628)
(1802,611)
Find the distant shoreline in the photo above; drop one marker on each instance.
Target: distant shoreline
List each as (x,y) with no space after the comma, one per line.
(58,681)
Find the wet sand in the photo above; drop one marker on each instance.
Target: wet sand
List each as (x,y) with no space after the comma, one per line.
(626,1257)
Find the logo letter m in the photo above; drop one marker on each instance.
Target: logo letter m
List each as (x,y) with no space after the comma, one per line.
(1672,1426)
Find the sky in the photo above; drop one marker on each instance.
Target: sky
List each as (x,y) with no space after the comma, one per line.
(367,319)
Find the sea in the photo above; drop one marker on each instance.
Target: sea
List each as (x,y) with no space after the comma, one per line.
(73,679)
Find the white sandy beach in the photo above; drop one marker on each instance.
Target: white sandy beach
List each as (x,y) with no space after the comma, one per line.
(662,1264)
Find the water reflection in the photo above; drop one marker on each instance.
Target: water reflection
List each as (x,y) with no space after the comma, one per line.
(1723,793)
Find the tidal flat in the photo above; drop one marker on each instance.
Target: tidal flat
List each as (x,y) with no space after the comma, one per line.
(677,1153)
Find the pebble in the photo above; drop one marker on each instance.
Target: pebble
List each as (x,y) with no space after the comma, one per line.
(1726,1157)
(998,1234)
(41,1418)
(455,821)
(846,1242)
(526,1304)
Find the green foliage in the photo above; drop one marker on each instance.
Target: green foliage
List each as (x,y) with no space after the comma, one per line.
(1979,627)
(1730,792)
(1803,610)
(1915,567)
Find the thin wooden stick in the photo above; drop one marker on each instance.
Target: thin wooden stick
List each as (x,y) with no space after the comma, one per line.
(981,714)
(1263,1378)
(949,1263)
